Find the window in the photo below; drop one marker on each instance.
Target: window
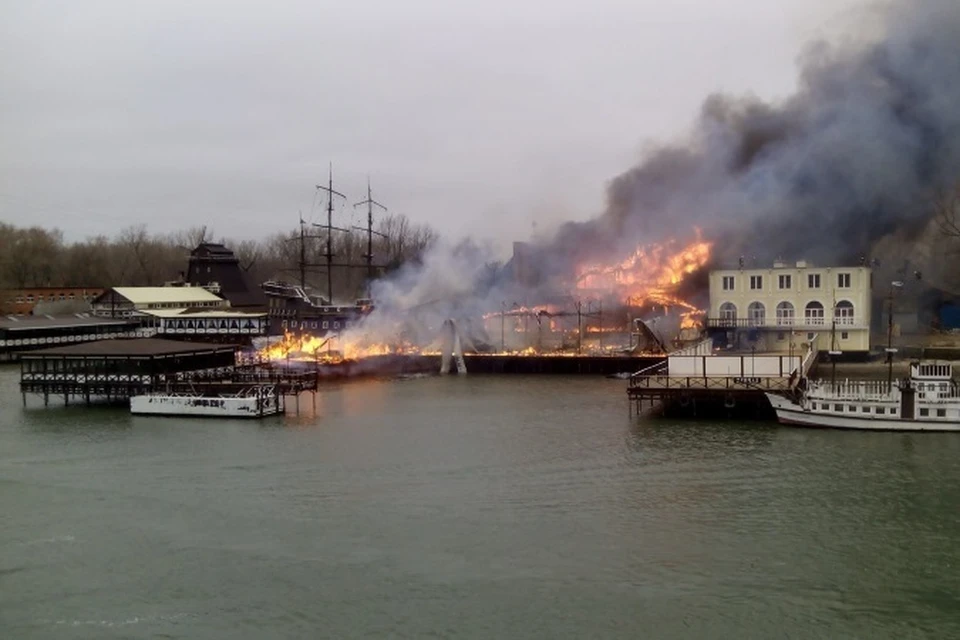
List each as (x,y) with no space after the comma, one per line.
(757,314)
(786,281)
(838,407)
(852,408)
(781,336)
(865,409)
(326,324)
(810,336)
(728,283)
(941,413)
(843,280)
(785,314)
(336,324)
(813,281)
(29,297)
(924,413)
(756,283)
(843,312)
(728,312)
(813,313)
(844,335)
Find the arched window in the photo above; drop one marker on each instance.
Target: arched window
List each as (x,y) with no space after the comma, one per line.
(813,313)
(757,314)
(728,313)
(843,312)
(785,313)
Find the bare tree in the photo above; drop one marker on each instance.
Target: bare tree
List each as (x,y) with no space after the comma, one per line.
(946,207)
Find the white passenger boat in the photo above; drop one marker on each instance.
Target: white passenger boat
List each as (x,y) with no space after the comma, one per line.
(253,403)
(929,400)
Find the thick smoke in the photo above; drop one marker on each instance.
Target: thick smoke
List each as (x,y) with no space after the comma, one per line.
(856,153)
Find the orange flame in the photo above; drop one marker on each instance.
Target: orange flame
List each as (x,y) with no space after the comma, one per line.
(650,274)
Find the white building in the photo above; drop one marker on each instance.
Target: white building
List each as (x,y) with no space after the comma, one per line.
(774,309)
(123,302)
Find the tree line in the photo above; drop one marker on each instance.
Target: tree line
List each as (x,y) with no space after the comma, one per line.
(41,257)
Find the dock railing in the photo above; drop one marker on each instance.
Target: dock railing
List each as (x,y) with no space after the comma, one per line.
(811,358)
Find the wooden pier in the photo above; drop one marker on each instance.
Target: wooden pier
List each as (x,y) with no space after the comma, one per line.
(115,370)
(701,383)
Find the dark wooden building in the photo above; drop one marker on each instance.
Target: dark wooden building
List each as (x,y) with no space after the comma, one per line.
(215,267)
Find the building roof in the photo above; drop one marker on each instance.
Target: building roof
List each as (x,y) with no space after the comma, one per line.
(27,323)
(129,347)
(213,249)
(204,313)
(147,295)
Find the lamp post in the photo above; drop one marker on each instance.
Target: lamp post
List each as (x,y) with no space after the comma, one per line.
(896,284)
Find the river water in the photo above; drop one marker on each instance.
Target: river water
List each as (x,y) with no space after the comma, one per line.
(476,507)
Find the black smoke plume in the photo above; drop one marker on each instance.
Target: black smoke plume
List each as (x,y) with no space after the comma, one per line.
(855,154)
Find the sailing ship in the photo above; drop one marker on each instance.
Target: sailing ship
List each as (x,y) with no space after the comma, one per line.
(293,309)
(927,400)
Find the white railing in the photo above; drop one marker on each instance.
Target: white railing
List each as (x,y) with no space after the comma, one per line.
(847,390)
(702,348)
(808,360)
(808,322)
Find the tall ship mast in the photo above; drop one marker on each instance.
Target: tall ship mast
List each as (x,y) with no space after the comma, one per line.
(293,309)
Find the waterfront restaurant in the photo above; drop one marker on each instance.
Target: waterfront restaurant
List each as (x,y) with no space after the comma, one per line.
(123,302)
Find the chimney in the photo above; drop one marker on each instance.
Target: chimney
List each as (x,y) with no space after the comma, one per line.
(802,264)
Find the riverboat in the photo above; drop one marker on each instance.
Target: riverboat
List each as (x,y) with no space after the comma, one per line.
(928,400)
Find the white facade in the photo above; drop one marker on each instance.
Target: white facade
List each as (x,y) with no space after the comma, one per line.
(789,304)
(124,301)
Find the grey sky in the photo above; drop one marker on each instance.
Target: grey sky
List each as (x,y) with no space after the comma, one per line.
(480,117)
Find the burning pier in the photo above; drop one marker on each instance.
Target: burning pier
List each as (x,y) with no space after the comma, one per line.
(623,314)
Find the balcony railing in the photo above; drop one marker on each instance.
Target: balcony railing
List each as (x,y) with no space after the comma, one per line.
(846,322)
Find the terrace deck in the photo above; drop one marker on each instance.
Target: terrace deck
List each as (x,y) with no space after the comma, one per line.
(119,369)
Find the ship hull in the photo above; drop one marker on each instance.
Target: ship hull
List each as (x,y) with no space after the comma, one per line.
(792,413)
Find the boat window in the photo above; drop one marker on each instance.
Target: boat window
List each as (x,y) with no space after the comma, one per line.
(838,407)
(924,412)
(865,409)
(852,408)
(941,413)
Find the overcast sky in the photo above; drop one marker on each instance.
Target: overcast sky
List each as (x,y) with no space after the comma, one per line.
(476,117)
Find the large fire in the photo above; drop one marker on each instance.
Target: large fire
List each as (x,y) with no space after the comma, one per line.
(650,277)
(332,349)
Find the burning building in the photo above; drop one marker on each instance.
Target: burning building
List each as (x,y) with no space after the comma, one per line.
(832,172)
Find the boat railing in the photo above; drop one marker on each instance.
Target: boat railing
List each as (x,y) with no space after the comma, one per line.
(851,390)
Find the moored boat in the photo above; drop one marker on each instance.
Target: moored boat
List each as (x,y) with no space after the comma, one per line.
(928,400)
(258,402)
